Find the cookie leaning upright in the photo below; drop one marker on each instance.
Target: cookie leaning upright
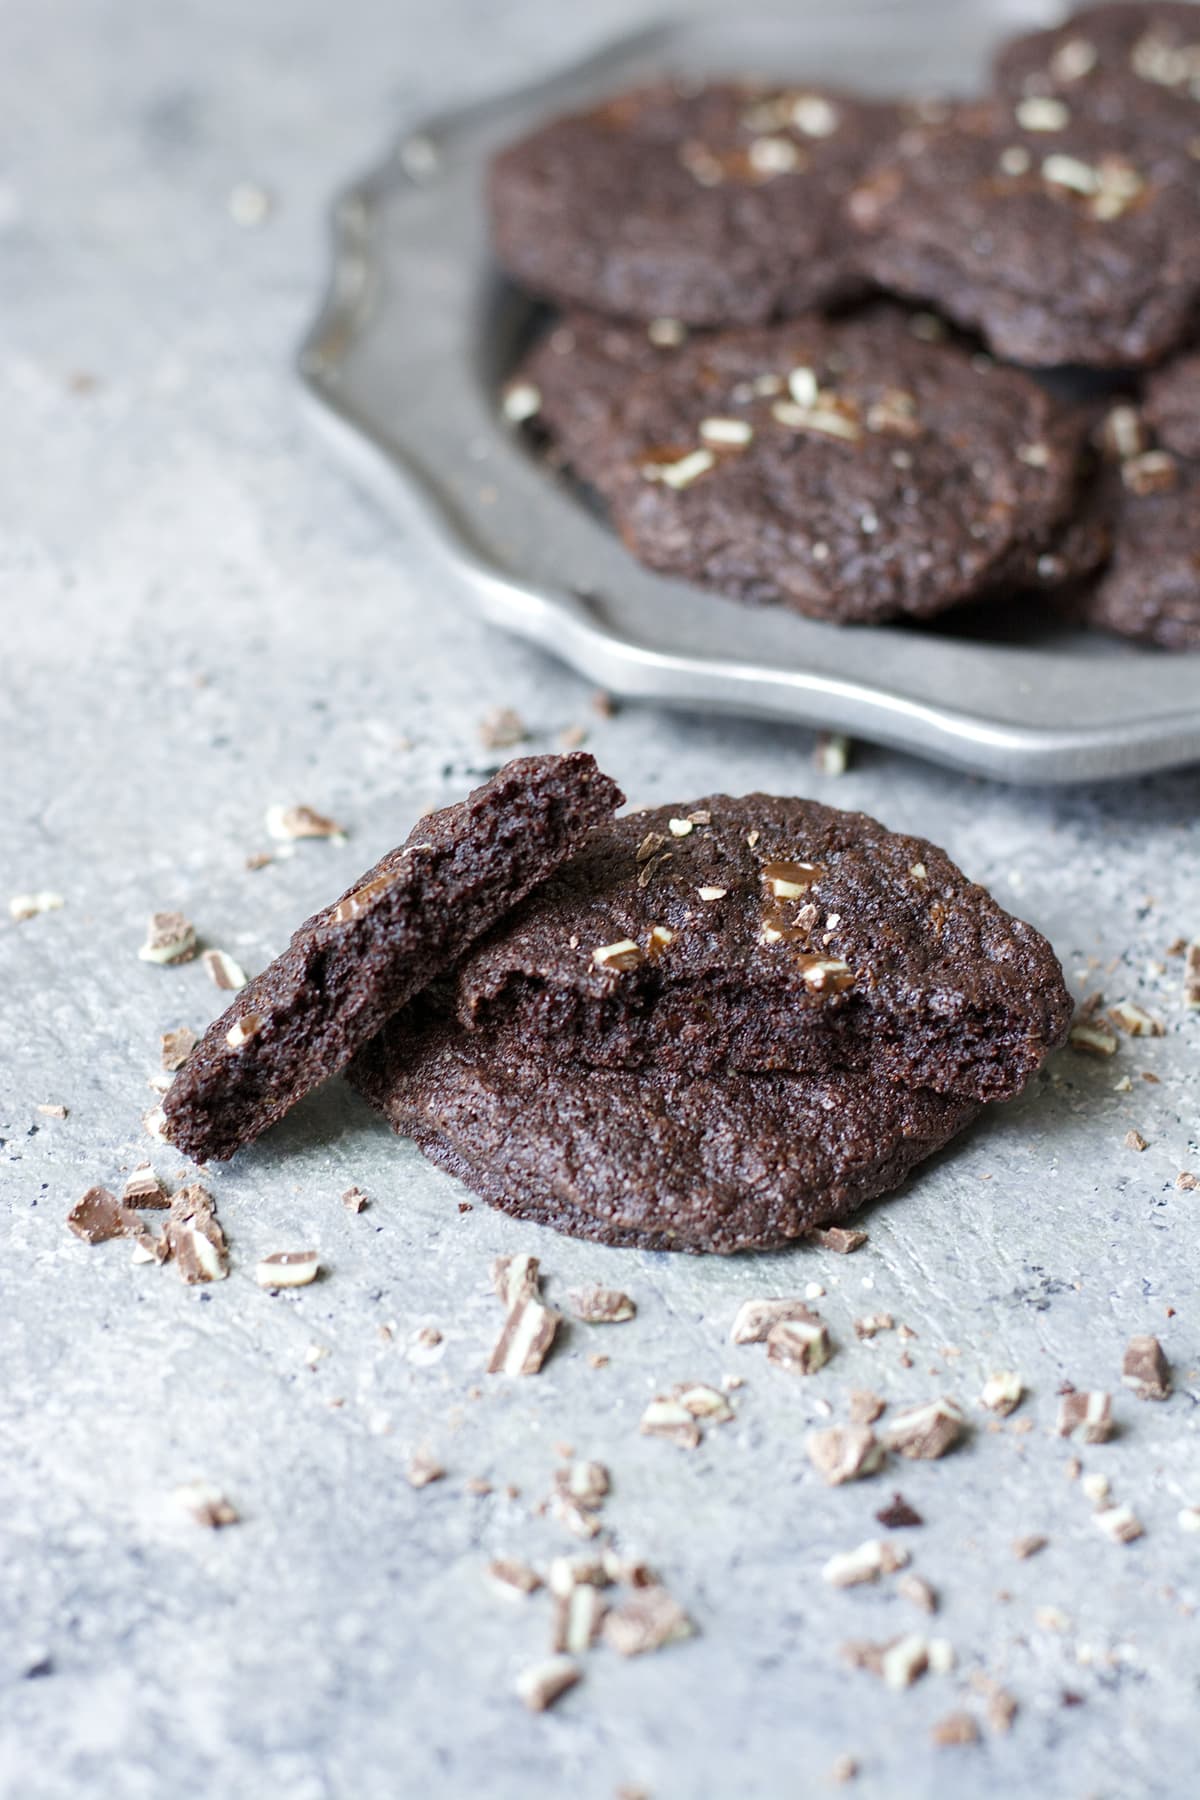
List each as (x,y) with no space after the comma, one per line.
(713,205)
(352,965)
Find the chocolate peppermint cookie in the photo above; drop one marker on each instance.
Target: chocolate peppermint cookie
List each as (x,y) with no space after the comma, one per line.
(1127,66)
(855,471)
(1148,493)
(715,205)
(770,934)
(665,1160)
(1061,237)
(352,965)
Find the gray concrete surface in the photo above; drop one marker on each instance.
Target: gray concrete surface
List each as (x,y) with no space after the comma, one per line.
(200,618)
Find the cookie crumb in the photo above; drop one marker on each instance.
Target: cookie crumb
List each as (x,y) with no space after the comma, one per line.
(865,1407)
(1025,1547)
(1144,1368)
(1134,1140)
(917,1590)
(1191,974)
(802,1346)
(898,1515)
(354,1200)
(755,1319)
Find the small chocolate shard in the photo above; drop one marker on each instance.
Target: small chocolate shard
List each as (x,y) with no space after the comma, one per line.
(840,1238)
(898,1663)
(601,1306)
(1191,974)
(526,1340)
(1144,1368)
(1029,1545)
(1002,1710)
(578,1617)
(873,1324)
(918,1591)
(207,1505)
(288,823)
(850,1568)
(1135,1021)
(1085,1418)
(515,1278)
(287,1269)
(802,1346)
(52,1109)
(955,1728)
(1134,1140)
(598,1568)
(865,1407)
(513,1578)
(703,1402)
(755,1318)
(170,938)
(423,1467)
(1119,1523)
(1092,1038)
(1002,1392)
(223,971)
(648,1620)
(98,1216)
(898,1515)
(926,1432)
(543,1683)
(145,1189)
(194,1237)
(667,1418)
(842,1453)
(354,1200)
(176,1047)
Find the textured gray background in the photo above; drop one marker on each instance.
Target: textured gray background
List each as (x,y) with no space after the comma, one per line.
(201,617)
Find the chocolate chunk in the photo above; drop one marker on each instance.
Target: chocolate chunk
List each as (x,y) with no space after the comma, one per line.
(1145,1369)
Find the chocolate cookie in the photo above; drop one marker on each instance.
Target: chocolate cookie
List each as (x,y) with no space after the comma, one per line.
(854,471)
(1068,241)
(1171,405)
(577,375)
(352,965)
(770,934)
(716,205)
(663,1160)
(1129,66)
(1150,497)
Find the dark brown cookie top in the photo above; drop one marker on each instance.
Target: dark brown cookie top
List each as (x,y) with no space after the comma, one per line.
(671,1160)
(1124,65)
(1149,497)
(852,470)
(1171,404)
(1073,244)
(765,933)
(715,205)
(576,376)
(352,965)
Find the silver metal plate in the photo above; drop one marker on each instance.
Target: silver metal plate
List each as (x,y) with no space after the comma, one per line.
(418,331)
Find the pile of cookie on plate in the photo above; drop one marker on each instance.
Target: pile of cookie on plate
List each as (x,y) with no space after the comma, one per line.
(877,360)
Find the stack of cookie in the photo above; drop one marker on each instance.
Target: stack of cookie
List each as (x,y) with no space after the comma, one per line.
(710,1027)
(795,358)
